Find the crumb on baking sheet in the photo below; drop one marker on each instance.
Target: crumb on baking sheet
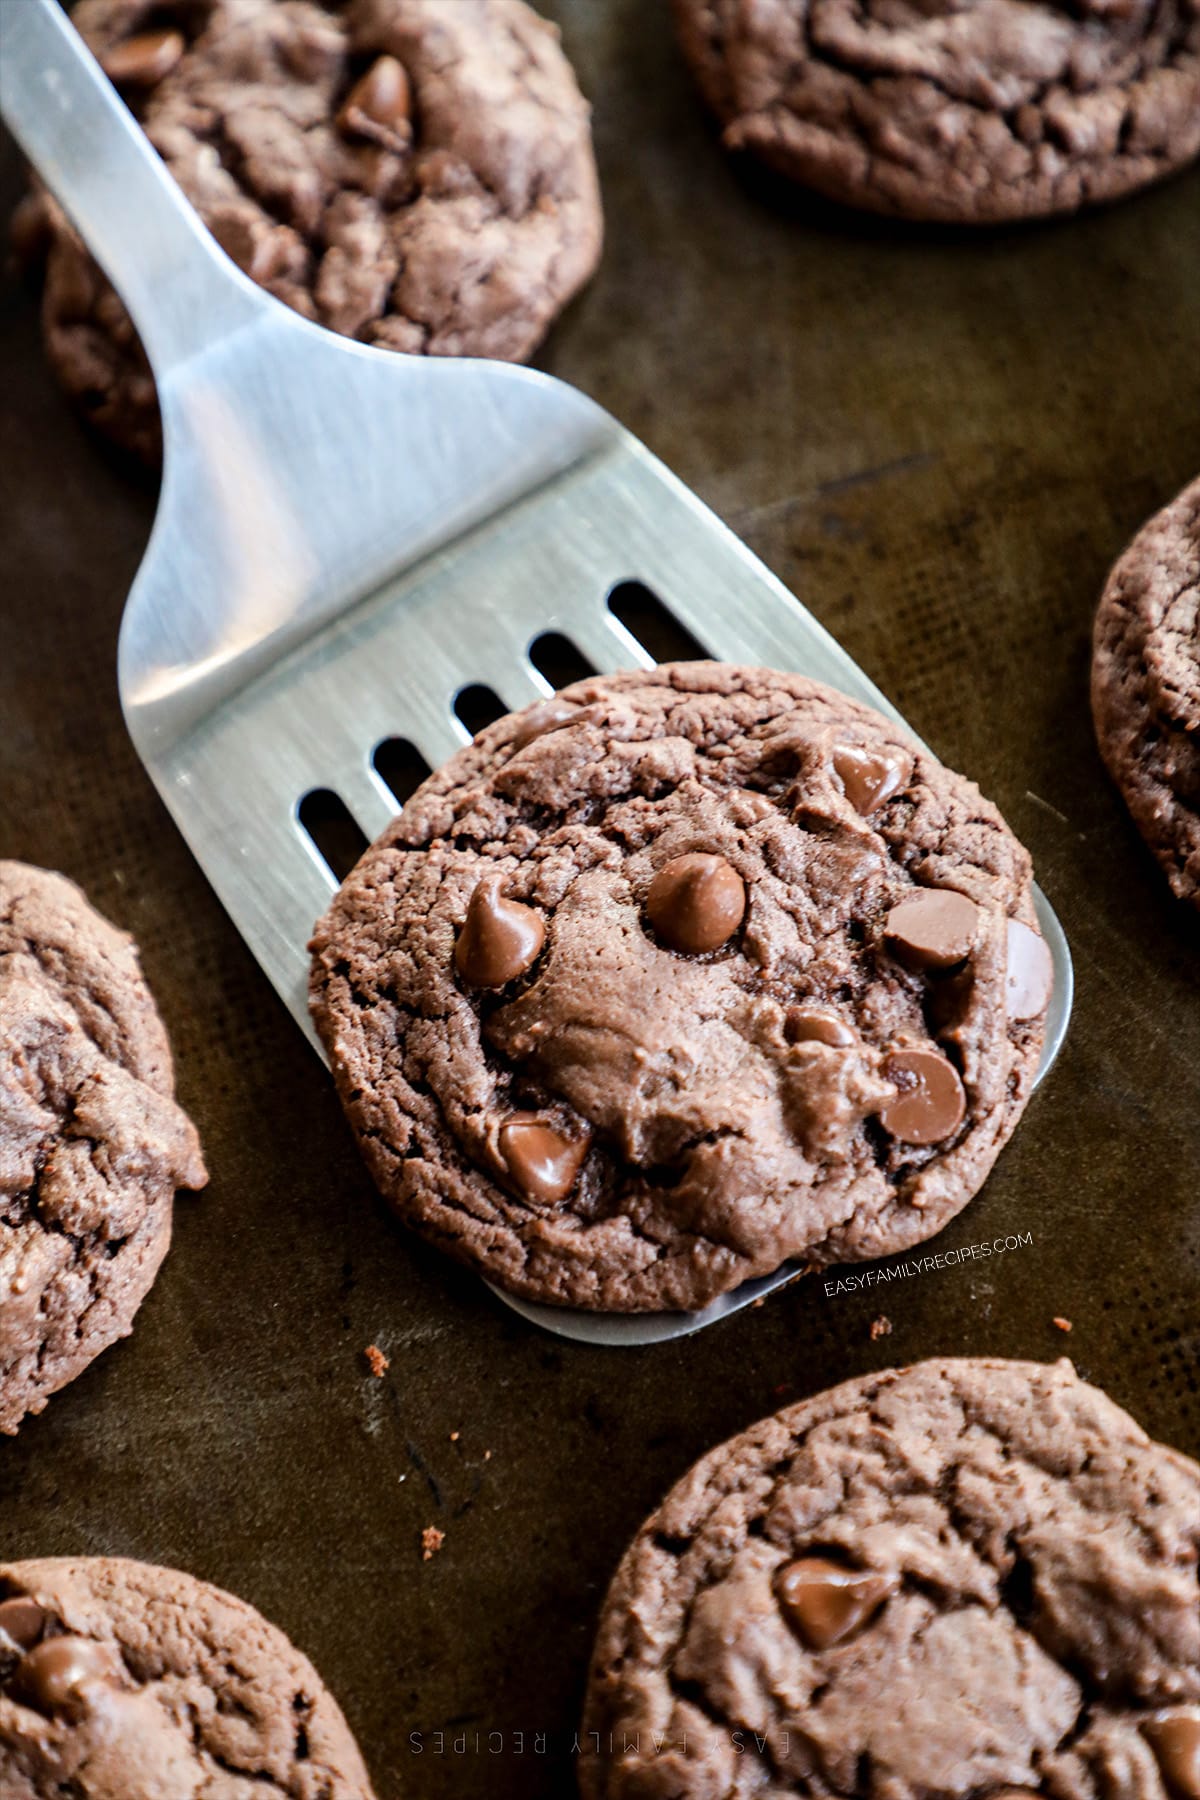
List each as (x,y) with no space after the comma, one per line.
(376,1361)
(1061,1324)
(431,1542)
(881,1327)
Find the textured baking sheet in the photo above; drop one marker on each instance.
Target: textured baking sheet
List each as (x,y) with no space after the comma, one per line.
(940,442)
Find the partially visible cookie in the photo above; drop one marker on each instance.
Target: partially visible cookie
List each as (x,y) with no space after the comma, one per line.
(121,1681)
(690,971)
(964,1580)
(416,174)
(92,1143)
(1146,686)
(967,112)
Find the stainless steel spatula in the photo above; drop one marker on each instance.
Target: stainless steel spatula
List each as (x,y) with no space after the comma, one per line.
(347,539)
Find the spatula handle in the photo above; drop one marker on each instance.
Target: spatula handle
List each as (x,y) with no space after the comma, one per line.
(181,289)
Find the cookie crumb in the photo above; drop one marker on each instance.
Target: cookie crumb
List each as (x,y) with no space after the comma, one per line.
(377,1361)
(1061,1324)
(431,1542)
(881,1327)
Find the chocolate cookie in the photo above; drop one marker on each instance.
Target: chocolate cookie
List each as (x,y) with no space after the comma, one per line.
(92,1144)
(1146,686)
(965,1580)
(119,1681)
(684,973)
(962,110)
(412,173)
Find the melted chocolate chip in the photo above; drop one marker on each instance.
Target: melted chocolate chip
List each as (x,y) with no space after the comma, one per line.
(379,106)
(868,779)
(500,938)
(696,902)
(144,60)
(808,1024)
(1030,978)
(53,1676)
(537,720)
(22,1621)
(542,1162)
(1174,1737)
(931,1101)
(826,1602)
(933,928)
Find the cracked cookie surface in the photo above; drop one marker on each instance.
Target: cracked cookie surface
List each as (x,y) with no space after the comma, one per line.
(974,112)
(92,1143)
(685,973)
(1146,686)
(120,1680)
(965,1580)
(416,174)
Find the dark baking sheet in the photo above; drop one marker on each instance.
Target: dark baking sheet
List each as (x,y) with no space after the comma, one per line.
(940,442)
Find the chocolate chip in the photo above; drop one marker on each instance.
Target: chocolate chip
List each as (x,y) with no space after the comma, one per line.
(696,902)
(52,1676)
(500,938)
(1030,978)
(933,928)
(542,1162)
(931,1101)
(537,720)
(1174,1737)
(808,1024)
(22,1621)
(379,106)
(868,779)
(826,1602)
(144,60)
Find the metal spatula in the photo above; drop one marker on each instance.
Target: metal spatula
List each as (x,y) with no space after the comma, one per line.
(347,539)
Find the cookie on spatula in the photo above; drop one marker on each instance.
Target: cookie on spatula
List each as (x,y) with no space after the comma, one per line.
(679,975)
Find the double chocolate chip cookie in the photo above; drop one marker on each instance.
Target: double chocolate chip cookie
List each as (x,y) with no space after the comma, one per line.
(965,1580)
(92,1143)
(119,1681)
(416,174)
(960,110)
(1146,686)
(681,974)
